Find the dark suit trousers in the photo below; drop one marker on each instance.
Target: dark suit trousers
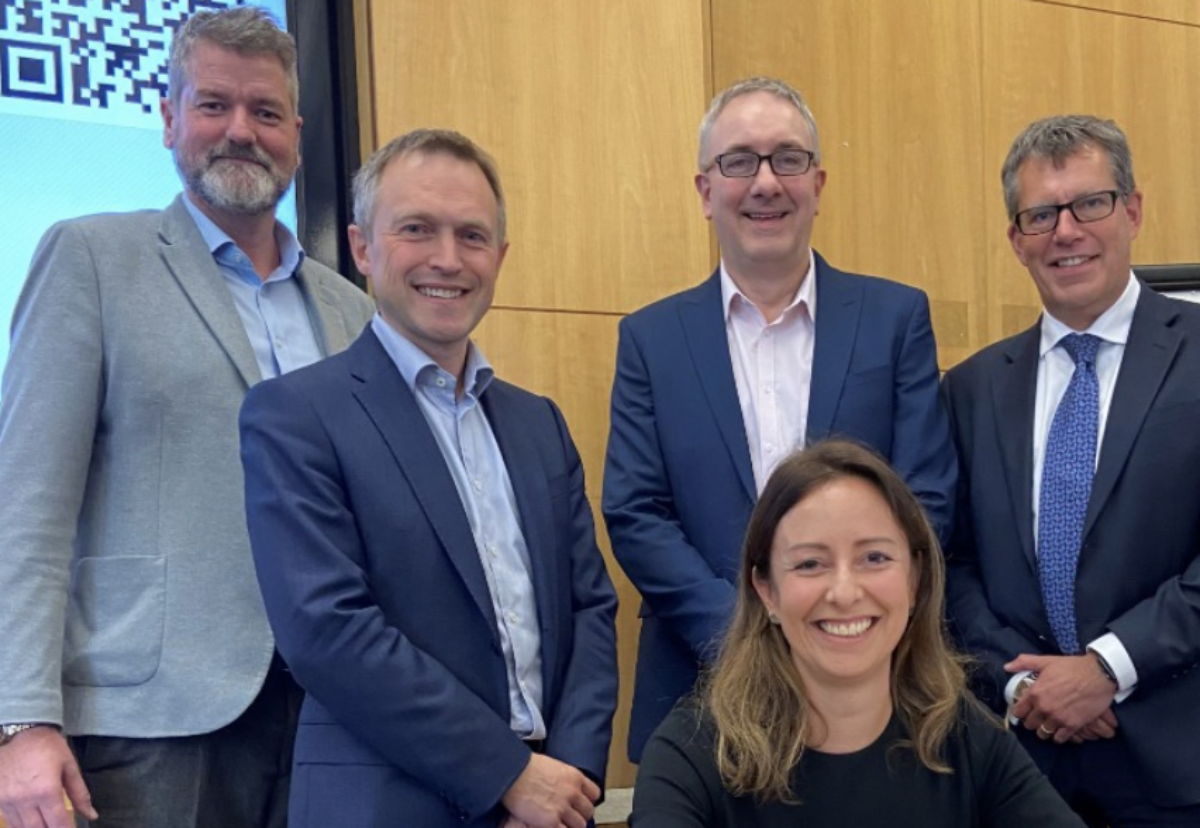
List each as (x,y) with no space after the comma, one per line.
(235,777)
(1103,784)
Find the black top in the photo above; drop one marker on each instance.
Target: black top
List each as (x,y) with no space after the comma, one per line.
(994,784)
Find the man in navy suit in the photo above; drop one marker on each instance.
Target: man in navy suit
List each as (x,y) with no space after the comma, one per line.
(716,385)
(423,539)
(1084,610)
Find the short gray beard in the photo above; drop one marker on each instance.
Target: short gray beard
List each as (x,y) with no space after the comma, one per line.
(246,191)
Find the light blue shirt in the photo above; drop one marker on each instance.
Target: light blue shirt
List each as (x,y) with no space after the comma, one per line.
(473,458)
(273,311)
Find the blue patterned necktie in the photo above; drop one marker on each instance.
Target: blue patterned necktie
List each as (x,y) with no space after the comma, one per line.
(1067,474)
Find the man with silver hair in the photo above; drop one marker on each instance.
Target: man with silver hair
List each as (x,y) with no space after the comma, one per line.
(139,669)
(1074,570)
(717,384)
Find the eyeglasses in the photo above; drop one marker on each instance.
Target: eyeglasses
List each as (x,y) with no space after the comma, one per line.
(1037,221)
(746,164)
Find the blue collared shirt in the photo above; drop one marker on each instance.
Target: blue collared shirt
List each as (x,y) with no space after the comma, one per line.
(273,311)
(473,458)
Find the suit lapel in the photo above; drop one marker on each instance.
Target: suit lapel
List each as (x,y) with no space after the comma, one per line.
(323,310)
(1013,396)
(702,318)
(191,264)
(395,412)
(839,306)
(533,495)
(1149,352)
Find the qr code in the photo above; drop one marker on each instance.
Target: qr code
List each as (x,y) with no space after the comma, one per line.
(108,56)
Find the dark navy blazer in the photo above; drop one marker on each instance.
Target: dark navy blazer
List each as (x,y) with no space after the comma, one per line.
(379,603)
(1139,568)
(678,483)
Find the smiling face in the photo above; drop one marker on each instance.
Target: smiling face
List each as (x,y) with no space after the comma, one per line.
(234,131)
(432,252)
(1080,269)
(842,584)
(764,223)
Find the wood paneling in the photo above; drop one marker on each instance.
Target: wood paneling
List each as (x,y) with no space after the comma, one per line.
(1171,11)
(591,111)
(896,91)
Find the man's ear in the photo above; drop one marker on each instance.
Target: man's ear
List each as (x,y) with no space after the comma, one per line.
(168,119)
(704,188)
(359,244)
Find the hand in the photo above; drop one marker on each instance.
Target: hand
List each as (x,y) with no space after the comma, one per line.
(35,768)
(511,821)
(1103,726)
(551,794)
(1071,692)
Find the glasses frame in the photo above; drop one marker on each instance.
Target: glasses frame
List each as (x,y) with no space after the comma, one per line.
(718,161)
(1070,205)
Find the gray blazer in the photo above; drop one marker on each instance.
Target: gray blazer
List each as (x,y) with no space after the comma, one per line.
(128,599)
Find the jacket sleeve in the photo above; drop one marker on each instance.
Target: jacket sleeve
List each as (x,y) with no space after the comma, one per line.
(51,404)
(922,449)
(678,585)
(581,729)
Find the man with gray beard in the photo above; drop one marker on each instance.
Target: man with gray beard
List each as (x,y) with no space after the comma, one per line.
(139,672)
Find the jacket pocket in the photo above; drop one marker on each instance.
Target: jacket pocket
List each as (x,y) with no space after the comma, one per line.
(115,621)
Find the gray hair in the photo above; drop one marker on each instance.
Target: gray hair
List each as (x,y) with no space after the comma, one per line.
(774,86)
(247,30)
(1060,137)
(428,142)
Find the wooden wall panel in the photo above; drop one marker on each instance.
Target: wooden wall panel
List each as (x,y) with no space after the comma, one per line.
(895,89)
(591,110)
(1049,59)
(1165,11)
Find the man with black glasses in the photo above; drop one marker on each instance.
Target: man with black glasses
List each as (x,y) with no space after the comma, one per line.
(1074,571)
(717,384)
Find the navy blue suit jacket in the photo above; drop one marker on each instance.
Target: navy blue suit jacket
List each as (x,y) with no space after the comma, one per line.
(678,484)
(380,606)
(1139,568)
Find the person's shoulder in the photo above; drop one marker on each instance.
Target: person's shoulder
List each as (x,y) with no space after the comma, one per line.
(688,725)
(330,277)
(879,285)
(107,226)
(521,402)
(977,730)
(983,361)
(315,380)
(655,312)
(1176,312)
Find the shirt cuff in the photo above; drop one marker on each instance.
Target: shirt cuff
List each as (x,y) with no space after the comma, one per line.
(1110,648)
(1010,690)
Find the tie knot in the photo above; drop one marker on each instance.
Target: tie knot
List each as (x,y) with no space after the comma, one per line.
(1081,347)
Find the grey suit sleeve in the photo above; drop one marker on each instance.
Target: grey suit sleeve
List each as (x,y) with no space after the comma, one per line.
(51,406)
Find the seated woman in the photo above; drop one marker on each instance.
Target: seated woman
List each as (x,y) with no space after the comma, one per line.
(836,699)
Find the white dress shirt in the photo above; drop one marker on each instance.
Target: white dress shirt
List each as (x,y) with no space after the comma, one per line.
(772,366)
(1055,368)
